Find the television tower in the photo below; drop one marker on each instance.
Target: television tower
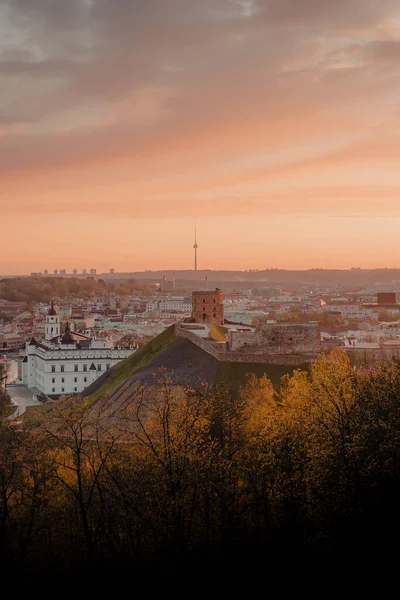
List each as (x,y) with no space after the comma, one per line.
(195,246)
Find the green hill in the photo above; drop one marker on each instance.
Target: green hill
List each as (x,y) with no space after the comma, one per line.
(184,362)
(131,365)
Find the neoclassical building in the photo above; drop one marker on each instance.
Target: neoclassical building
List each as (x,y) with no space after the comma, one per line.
(69,362)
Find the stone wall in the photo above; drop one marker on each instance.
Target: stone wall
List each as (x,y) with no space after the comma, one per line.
(220,352)
(278,339)
(203,343)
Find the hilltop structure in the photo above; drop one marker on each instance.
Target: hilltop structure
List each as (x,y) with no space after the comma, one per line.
(207,306)
(66,363)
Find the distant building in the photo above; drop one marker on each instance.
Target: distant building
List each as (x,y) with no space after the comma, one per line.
(171,304)
(12,309)
(207,307)
(75,271)
(84,271)
(176,304)
(168,284)
(386,298)
(112,271)
(93,272)
(10,341)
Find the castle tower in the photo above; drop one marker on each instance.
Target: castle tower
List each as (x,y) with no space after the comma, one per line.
(207,306)
(195,246)
(52,328)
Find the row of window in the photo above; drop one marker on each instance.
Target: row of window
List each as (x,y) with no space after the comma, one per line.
(63,390)
(76,368)
(63,380)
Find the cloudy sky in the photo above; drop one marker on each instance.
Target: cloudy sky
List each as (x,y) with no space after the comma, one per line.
(272,124)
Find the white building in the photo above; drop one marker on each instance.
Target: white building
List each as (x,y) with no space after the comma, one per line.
(176,304)
(68,363)
(352,311)
(171,304)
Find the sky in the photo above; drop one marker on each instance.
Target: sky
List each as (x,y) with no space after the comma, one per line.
(271,125)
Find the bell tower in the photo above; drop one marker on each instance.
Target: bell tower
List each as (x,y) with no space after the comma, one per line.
(52,323)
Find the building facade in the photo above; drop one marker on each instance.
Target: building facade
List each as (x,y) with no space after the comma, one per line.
(67,363)
(11,341)
(207,307)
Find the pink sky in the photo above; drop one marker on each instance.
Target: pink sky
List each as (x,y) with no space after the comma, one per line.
(272,124)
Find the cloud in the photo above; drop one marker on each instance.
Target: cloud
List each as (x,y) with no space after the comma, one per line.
(180,90)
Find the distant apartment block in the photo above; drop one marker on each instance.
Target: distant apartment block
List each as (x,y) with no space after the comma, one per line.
(11,341)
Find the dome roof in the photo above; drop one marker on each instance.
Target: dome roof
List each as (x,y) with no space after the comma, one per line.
(52,311)
(67,337)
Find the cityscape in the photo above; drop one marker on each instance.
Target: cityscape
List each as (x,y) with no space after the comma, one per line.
(199,291)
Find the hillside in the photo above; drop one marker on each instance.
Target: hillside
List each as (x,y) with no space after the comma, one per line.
(184,362)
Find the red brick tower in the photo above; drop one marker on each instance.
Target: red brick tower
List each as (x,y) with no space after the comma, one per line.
(207,307)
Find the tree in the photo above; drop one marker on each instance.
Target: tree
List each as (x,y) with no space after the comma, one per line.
(82,444)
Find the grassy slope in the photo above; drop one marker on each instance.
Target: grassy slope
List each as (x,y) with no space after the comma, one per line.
(35,415)
(217,332)
(136,362)
(234,374)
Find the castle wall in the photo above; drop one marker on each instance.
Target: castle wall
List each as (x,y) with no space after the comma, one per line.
(222,353)
(278,339)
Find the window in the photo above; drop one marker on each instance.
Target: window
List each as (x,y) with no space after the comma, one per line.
(108,366)
(85,368)
(75,379)
(76,368)
(53,389)
(75,389)
(85,379)
(62,368)
(99,367)
(62,379)
(53,380)
(53,368)
(62,389)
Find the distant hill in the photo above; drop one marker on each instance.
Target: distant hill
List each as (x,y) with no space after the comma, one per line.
(184,362)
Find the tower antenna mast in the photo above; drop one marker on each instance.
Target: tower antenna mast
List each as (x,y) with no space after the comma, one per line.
(195,246)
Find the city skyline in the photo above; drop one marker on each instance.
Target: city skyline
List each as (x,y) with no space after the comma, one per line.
(274,125)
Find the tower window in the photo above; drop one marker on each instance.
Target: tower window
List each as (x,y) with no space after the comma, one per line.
(53,368)
(62,368)
(76,368)
(85,367)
